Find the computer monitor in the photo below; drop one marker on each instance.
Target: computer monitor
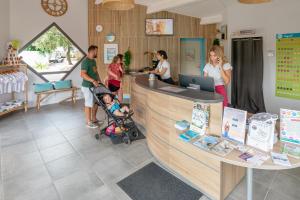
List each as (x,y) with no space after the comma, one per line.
(206,83)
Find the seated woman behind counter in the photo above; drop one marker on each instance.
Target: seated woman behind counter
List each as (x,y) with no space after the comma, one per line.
(163,68)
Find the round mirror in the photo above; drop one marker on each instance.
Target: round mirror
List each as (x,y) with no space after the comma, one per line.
(110,37)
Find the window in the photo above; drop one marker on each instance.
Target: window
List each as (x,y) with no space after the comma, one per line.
(52,54)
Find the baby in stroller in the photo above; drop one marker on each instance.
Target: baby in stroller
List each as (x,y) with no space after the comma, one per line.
(114,106)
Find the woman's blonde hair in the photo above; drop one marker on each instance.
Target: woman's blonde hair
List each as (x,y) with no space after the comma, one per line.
(115,59)
(219,53)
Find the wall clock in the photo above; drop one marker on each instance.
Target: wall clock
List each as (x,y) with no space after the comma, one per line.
(55,8)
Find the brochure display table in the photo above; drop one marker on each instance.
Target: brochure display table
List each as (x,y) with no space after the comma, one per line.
(158,106)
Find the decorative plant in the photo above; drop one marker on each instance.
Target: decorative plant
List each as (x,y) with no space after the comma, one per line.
(216,42)
(127,60)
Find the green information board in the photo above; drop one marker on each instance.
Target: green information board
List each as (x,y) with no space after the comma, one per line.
(288,65)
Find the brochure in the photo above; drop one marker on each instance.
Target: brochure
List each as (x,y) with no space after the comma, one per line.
(280,159)
(290,126)
(258,158)
(245,156)
(234,124)
(182,125)
(200,118)
(261,131)
(291,150)
(223,148)
(188,135)
(207,142)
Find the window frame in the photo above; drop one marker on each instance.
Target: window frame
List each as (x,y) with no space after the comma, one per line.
(67,73)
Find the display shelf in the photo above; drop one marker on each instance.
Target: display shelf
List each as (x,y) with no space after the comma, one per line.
(13,109)
(18,67)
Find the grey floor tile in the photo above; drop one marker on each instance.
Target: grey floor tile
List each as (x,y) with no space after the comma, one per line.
(293,172)
(278,195)
(287,184)
(44,131)
(240,192)
(99,194)
(78,132)
(47,193)
(77,184)
(84,142)
(92,155)
(264,177)
(22,148)
(57,152)
(16,165)
(50,141)
(111,167)
(32,181)
(15,136)
(65,166)
(136,153)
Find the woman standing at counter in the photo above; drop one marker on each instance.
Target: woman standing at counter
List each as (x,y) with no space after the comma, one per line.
(163,67)
(219,69)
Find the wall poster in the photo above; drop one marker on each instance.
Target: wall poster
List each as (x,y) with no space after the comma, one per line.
(288,65)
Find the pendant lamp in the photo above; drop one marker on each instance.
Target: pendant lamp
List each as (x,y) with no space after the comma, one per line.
(118,4)
(254,1)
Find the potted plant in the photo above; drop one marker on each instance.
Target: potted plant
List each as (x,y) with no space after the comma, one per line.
(127,60)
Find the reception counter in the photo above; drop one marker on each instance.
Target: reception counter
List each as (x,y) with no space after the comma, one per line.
(157,109)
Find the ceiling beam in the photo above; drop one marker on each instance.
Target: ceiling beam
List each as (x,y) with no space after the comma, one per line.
(167,4)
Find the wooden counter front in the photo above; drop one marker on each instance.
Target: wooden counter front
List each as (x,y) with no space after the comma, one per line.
(157,112)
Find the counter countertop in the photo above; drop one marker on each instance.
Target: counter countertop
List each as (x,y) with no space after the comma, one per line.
(190,94)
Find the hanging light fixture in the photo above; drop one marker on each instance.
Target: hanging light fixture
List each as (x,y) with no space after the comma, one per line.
(254,1)
(118,4)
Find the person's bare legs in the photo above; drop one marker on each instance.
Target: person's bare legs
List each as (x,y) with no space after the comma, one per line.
(120,95)
(94,113)
(87,111)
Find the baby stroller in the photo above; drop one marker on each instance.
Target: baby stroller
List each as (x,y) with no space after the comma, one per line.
(124,123)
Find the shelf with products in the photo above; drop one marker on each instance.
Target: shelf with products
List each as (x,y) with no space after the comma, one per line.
(16,83)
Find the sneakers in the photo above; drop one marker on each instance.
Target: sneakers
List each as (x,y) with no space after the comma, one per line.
(91,125)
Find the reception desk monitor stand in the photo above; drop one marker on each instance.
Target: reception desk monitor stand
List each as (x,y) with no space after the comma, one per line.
(215,175)
(206,83)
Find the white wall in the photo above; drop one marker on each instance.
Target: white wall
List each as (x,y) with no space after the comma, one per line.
(27,19)
(4,26)
(269,19)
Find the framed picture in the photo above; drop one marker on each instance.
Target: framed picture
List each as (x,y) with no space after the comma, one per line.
(224,32)
(110,51)
(159,27)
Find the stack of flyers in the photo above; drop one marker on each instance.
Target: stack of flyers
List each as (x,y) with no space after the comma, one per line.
(280,159)
(188,135)
(245,156)
(207,142)
(258,158)
(182,125)
(223,148)
(291,150)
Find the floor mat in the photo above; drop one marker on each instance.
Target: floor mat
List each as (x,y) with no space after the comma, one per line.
(154,183)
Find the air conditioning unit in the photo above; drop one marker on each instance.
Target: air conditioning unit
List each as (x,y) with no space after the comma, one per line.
(245,32)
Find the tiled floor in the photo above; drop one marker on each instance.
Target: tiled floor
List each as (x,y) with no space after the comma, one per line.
(51,155)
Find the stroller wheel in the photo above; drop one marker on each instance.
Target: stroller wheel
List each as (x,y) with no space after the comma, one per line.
(97,136)
(135,133)
(126,139)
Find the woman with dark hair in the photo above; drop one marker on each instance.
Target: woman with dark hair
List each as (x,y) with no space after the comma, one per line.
(163,68)
(115,74)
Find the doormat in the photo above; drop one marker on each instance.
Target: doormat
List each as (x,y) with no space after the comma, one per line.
(154,183)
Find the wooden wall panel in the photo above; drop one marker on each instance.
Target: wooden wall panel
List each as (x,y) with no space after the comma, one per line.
(129,27)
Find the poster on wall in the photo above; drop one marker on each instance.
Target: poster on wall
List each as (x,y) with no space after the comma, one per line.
(288,65)
(192,56)
(110,51)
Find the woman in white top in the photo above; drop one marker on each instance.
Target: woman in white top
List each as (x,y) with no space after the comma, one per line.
(163,68)
(219,69)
